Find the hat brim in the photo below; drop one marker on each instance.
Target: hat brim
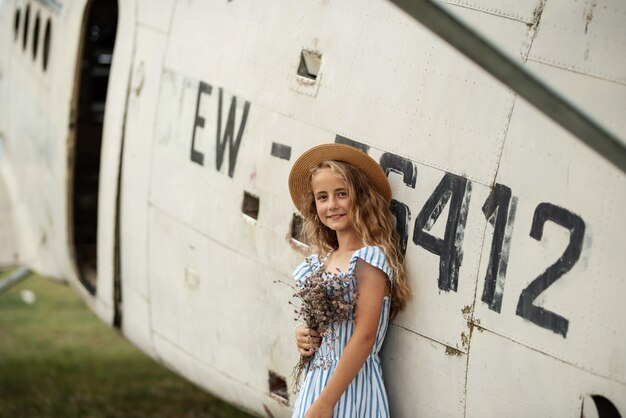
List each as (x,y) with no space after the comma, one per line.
(299,176)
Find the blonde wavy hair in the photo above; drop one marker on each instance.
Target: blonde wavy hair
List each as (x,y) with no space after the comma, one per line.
(372,219)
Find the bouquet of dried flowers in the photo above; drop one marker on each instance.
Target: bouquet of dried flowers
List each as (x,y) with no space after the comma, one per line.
(323,299)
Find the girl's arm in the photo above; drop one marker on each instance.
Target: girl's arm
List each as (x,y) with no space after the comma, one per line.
(372,286)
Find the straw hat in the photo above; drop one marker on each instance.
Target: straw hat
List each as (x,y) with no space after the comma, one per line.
(298,186)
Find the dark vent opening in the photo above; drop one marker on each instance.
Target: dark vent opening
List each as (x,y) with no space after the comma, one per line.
(310,63)
(250,206)
(278,387)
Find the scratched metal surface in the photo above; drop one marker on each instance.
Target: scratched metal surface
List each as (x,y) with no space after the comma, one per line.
(140,117)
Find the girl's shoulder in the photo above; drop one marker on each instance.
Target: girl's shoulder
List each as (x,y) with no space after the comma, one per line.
(373,255)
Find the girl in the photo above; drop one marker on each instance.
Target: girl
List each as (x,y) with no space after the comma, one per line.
(344,197)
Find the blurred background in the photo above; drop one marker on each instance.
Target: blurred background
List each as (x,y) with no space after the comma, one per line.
(58,360)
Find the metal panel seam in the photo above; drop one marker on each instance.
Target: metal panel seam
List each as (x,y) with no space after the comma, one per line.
(199,360)
(573,69)
(485,10)
(399,325)
(521,342)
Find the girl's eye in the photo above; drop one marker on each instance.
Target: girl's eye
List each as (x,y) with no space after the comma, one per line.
(343,194)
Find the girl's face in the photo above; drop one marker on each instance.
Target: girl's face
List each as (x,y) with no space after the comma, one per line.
(331,200)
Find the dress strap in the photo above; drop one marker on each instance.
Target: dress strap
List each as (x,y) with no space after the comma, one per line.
(322,261)
(374,256)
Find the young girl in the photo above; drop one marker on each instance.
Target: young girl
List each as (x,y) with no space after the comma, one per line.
(344,197)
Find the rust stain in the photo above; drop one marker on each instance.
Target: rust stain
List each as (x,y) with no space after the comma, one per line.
(589,15)
(467,313)
(305,81)
(267,411)
(537,14)
(450,351)
(475,325)
(464,340)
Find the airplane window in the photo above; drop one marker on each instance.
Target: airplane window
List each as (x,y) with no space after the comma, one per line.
(36,36)
(250,205)
(46,44)
(16,24)
(310,62)
(25,29)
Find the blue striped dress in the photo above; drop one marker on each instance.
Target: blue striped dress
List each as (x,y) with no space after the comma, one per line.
(365,396)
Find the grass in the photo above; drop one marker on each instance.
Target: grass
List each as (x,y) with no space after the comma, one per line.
(58,360)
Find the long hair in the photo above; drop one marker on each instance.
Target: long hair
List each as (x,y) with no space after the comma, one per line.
(372,219)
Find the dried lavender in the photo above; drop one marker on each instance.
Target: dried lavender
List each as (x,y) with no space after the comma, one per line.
(324,299)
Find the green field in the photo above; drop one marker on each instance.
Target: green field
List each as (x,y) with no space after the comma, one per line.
(58,360)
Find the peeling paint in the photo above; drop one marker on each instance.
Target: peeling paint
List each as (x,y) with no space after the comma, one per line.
(588,15)
(476,325)
(451,351)
(465,340)
(467,314)
(534,23)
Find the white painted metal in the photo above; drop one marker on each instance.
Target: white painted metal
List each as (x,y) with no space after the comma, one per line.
(197,276)
(595,39)
(522,11)
(140,118)
(502,381)
(155,16)
(422,377)
(592,189)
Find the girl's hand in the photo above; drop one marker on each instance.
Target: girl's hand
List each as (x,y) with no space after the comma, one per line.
(307,340)
(320,409)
